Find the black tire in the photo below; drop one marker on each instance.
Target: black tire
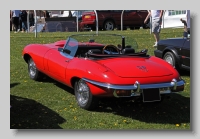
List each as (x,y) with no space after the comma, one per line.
(34,73)
(108,25)
(169,57)
(84,98)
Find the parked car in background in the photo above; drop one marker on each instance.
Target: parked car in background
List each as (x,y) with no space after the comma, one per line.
(110,19)
(79,13)
(175,51)
(67,13)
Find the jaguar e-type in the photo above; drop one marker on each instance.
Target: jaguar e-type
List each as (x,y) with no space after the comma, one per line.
(103,66)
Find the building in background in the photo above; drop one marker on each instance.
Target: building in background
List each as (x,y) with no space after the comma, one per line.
(172,18)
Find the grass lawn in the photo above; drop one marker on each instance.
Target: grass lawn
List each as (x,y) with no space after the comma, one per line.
(51,105)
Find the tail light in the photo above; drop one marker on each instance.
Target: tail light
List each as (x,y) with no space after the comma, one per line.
(89,17)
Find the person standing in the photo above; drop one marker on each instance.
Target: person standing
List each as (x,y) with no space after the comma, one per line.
(15,19)
(185,25)
(31,18)
(156,16)
(23,16)
(46,14)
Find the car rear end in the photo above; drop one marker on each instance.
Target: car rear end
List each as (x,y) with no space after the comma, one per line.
(88,20)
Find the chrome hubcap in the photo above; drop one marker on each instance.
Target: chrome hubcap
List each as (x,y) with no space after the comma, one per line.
(109,26)
(82,92)
(169,59)
(32,68)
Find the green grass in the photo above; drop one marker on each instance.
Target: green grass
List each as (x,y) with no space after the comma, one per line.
(51,105)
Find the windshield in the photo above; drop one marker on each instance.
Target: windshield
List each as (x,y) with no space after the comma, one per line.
(71,46)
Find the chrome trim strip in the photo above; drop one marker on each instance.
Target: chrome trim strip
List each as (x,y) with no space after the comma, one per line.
(137,85)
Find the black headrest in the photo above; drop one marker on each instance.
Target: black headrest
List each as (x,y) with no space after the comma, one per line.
(95,51)
(128,51)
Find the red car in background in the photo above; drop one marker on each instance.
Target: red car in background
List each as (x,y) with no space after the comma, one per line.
(110,19)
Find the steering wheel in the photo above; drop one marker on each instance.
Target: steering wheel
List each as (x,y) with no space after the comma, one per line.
(110,48)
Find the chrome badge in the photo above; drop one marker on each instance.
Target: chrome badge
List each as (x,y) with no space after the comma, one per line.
(142,68)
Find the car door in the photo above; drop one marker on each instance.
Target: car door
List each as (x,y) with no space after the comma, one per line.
(134,18)
(185,53)
(58,59)
(57,63)
(130,17)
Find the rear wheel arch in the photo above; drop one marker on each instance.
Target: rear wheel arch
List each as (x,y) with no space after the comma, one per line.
(38,75)
(73,81)
(26,57)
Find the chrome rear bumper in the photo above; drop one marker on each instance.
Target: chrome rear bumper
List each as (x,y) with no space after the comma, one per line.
(137,88)
(137,85)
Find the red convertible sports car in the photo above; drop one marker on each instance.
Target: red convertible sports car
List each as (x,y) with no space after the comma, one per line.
(103,66)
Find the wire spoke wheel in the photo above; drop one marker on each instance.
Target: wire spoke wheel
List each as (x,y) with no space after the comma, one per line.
(32,68)
(34,73)
(82,92)
(83,95)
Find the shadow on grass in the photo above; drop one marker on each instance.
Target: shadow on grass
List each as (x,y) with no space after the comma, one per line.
(29,114)
(58,84)
(174,109)
(184,73)
(13,84)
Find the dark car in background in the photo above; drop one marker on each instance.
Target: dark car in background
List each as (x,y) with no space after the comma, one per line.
(175,51)
(111,19)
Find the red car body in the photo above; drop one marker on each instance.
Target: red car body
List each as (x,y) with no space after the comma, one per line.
(110,19)
(97,70)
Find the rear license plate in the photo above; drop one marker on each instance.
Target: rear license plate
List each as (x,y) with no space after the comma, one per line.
(150,95)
